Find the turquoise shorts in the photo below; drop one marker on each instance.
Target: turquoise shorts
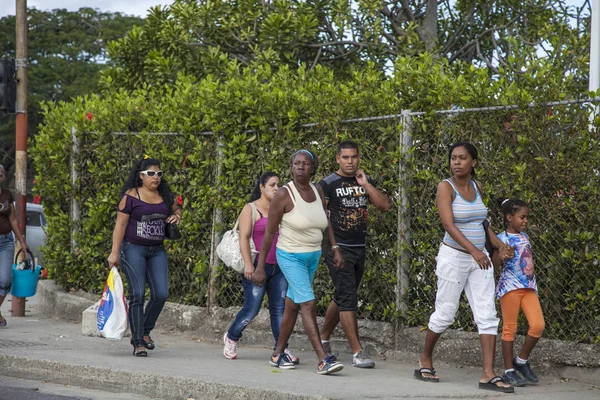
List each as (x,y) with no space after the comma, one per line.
(299,270)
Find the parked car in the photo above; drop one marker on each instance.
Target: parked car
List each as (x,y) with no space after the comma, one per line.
(36,225)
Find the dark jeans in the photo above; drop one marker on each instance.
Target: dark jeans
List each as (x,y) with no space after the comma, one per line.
(276,286)
(143,264)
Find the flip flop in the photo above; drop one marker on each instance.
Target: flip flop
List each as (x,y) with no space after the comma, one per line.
(491,385)
(420,375)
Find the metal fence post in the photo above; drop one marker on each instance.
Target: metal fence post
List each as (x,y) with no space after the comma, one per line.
(403,260)
(75,213)
(217,221)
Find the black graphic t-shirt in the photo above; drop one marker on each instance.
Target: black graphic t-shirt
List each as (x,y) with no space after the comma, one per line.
(347,208)
(6,199)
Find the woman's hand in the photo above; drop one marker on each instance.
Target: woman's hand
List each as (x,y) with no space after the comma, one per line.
(481,259)
(338,258)
(248,271)
(506,252)
(173,218)
(259,277)
(113,260)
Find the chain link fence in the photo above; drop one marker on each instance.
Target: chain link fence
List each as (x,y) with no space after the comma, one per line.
(546,155)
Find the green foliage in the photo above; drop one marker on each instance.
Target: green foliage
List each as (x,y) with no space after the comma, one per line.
(200,37)
(66,51)
(256,114)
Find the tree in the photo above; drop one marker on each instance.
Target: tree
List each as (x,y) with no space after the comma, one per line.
(66,52)
(198,37)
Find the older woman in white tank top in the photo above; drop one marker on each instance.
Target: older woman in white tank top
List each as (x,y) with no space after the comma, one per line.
(298,210)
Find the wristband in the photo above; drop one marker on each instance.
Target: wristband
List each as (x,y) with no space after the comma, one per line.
(335,247)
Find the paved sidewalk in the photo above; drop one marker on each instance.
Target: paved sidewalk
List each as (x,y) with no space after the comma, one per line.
(184,366)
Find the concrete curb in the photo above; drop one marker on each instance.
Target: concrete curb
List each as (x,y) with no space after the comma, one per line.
(151,385)
(568,360)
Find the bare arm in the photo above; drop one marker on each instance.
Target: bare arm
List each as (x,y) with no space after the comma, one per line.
(280,203)
(15,228)
(338,258)
(175,216)
(245,228)
(118,234)
(444,197)
(376,196)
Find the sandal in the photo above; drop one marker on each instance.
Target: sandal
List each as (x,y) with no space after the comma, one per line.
(140,352)
(420,375)
(491,385)
(3,322)
(149,344)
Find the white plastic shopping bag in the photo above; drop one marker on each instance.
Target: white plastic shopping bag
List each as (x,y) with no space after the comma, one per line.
(112,313)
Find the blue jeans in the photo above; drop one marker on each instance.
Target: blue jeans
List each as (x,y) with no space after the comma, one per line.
(276,286)
(7,252)
(143,264)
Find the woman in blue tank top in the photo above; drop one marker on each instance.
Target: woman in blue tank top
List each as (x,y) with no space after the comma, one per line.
(147,205)
(464,265)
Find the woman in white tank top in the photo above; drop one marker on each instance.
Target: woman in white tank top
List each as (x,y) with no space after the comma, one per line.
(298,210)
(464,265)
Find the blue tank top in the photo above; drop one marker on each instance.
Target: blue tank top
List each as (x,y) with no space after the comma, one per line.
(468,218)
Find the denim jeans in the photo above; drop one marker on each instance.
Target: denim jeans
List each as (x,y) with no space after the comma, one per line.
(7,252)
(276,286)
(143,264)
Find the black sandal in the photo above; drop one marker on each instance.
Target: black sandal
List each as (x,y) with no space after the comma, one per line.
(491,385)
(149,345)
(420,375)
(140,353)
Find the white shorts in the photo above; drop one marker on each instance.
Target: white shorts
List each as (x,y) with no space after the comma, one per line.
(457,271)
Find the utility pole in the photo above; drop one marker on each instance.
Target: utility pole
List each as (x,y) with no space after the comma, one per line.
(594,78)
(18,303)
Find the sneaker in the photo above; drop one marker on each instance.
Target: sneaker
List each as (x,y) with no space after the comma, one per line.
(514,379)
(281,361)
(362,360)
(526,371)
(230,347)
(295,360)
(327,350)
(329,366)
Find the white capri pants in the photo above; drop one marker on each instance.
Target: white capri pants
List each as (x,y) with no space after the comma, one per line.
(457,271)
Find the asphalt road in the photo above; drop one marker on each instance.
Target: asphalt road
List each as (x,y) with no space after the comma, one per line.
(22,389)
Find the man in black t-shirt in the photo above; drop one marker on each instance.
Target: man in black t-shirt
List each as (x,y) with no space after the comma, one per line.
(347,192)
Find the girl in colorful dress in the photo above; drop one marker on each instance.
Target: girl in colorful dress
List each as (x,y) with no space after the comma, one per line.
(517,290)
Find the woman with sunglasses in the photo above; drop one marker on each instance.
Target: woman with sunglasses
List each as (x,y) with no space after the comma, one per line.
(147,205)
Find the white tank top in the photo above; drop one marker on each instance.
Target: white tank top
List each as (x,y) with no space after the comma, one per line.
(301,230)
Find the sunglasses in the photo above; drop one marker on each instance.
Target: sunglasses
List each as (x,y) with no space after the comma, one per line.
(152,173)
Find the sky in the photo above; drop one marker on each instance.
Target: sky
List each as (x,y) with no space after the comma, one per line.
(132,7)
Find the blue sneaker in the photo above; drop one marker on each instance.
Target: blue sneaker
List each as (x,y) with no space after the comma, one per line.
(281,361)
(526,371)
(329,366)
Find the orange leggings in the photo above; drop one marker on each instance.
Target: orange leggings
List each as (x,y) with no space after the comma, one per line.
(511,303)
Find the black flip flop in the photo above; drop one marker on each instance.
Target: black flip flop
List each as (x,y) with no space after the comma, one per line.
(419,374)
(491,385)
